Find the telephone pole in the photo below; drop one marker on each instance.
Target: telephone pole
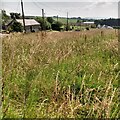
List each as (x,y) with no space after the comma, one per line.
(67,22)
(23,16)
(43,17)
(57,18)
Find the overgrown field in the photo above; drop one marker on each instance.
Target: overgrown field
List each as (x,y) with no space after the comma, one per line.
(61,75)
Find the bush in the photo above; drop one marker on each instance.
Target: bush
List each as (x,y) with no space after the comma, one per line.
(93,26)
(50,20)
(116,27)
(16,27)
(68,27)
(57,26)
(87,28)
(45,25)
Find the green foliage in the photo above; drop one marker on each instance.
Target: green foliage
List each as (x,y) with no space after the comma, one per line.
(45,25)
(5,17)
(50,20)
(78,21)
(64,20)
(15,15)
(16,27)
(56,26)
(110,22)
(93,26)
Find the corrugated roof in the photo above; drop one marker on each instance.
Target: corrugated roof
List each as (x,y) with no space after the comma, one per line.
(28,22)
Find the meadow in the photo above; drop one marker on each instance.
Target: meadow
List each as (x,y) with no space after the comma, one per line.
(60,75)
(64,20)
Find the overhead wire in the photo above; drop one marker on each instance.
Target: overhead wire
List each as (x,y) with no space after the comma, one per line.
(51,8)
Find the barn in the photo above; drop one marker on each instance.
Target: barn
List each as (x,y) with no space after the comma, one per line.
(31,25)
(88,23)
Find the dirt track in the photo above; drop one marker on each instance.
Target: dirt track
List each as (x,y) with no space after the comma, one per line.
(3,35)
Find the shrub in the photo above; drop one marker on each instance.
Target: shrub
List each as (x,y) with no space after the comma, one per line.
(93,26)
(50,20)
(16,27)
(87,28)
(57,26)
(45,25)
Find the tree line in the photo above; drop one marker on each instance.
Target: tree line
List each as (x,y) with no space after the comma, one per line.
(110,22)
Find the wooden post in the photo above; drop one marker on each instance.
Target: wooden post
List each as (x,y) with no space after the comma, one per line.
(67,22)
(43,17)
(23,16)
(102,34)
(57,18)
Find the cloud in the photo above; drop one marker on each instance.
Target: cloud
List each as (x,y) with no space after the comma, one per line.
(63,0)
(83,9)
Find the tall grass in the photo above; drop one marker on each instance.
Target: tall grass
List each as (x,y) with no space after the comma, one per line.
(61,75)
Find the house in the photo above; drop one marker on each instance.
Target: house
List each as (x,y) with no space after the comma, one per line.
(85,23)
(104,27)
(98,26)
(31,25)
(88,23)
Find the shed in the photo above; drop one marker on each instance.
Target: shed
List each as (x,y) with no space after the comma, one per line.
(30,24)
(88,23)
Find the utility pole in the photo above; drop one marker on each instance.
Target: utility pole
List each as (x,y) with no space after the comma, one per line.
(23,16)
(67,22)
(57,18)
(43,17)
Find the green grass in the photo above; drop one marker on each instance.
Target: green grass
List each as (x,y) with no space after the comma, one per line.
(64,20)
(61,75)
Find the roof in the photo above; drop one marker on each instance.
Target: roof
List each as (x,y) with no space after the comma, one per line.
(28,22)
(106,26)
(88,22)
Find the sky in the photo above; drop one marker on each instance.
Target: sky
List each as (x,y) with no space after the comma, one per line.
(76,8)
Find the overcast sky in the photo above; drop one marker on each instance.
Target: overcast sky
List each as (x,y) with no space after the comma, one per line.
(80,8)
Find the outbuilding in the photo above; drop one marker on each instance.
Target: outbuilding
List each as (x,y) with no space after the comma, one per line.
(31,25)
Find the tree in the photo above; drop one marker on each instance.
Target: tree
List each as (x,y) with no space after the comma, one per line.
(50,20)
(15,15)
(16,27)
(12,15)
(78,21)
(57,26)
(79,18)
(45,25)
(5,17)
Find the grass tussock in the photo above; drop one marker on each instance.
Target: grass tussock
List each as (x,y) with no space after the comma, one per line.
(61,75)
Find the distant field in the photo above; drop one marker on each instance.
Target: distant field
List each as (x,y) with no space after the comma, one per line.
(61,75)
(64,20)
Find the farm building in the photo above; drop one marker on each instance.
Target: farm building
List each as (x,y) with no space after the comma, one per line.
(88,23)
(104,27)
(84,23)
(30,24)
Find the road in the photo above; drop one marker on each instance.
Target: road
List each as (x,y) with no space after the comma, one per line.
(3,35)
